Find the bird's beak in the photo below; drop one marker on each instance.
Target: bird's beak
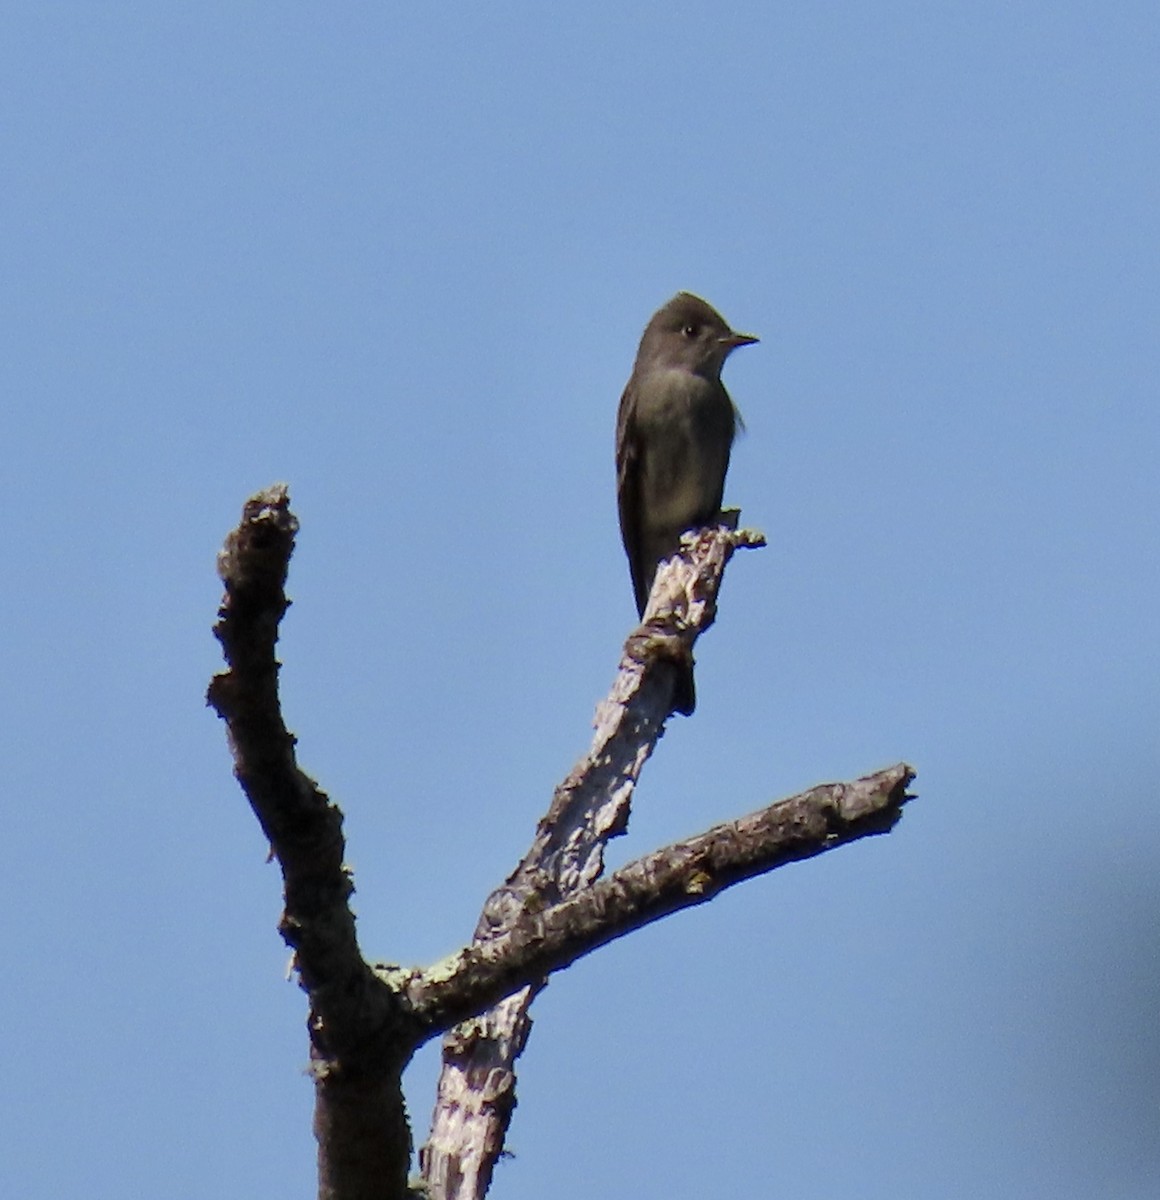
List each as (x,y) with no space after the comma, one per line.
(733,340)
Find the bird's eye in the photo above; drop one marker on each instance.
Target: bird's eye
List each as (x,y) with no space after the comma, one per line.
(691,331)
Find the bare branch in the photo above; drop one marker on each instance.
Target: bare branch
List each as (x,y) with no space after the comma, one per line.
(476,1092)
(679,876)
(358,1042)
(366,1022)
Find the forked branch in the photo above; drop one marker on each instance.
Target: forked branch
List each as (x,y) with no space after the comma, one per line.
(367,1020)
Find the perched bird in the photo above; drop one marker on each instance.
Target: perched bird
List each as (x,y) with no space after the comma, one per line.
(674,430)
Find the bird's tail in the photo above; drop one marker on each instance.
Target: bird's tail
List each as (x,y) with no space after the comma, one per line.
(684,690)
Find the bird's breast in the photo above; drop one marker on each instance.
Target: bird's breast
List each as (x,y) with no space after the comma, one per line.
(685,425)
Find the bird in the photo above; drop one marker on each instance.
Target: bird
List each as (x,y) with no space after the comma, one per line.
(674,430)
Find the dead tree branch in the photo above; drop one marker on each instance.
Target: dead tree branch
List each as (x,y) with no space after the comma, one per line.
(366,1021)
(476,1092)
(679,876)
(356,1039)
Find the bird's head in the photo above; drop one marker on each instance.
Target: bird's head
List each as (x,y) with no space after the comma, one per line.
(690,335)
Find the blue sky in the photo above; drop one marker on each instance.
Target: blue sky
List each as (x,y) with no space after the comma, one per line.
(401,259)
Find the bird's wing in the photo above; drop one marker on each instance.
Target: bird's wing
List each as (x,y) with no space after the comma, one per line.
(628,493)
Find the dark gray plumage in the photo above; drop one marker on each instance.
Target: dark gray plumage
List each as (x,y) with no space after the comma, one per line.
(674,431)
